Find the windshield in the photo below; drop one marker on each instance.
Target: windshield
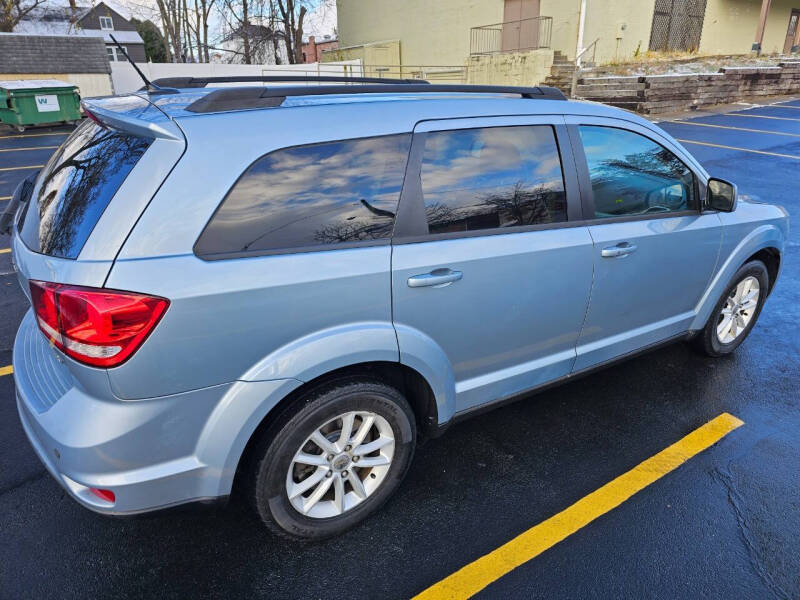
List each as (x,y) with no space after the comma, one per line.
(76,186)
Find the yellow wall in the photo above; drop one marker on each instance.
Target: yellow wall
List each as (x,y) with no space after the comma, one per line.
(437,32)
(605,20)
(730,26)
(89,84)
(431,32)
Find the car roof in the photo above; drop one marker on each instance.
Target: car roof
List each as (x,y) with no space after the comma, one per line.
(410,107)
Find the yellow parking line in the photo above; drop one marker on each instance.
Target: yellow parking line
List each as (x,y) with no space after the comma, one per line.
(6,370)
(682,122)
(4,250)
(8,137)
(23,149)
(794,156)
(20,168)
(744,114)
(477,575)
(5,197)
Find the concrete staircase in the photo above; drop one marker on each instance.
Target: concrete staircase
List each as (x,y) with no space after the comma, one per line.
(561,73)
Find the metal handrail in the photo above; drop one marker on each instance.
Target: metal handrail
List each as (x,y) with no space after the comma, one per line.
(574,84)
(585,50)
(499,37)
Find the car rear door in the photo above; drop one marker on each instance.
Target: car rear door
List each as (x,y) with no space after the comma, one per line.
(655,250)
(487,266)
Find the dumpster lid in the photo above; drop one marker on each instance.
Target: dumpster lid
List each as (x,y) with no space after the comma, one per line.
(31,84)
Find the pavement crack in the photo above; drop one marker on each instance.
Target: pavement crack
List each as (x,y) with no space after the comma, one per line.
(738,507)
(24,482)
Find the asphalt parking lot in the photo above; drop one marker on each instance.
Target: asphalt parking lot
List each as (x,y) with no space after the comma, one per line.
(723,524)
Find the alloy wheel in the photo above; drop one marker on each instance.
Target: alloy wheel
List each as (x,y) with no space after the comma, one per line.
(340,464)
(738,310)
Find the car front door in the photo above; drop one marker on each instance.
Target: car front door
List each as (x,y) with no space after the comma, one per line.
(487,267)
(655,250)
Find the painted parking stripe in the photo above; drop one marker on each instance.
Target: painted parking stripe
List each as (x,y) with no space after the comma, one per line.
(794,156)
(6,370)
(5,250)
(24,149)
(10,137)
(695,124)
(754,116)
(20,168)
(477,575)
(5,197)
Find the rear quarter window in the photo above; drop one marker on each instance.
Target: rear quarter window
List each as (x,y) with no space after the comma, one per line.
(76,186)
(314,197)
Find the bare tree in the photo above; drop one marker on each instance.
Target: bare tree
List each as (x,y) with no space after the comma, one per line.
(171,21)
(292,13)
(203,11)
(13,11)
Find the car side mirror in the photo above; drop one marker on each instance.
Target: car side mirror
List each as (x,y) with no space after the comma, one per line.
(721,195)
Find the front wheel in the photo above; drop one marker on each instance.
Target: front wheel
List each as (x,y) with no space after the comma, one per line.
(736,312)
(332,458)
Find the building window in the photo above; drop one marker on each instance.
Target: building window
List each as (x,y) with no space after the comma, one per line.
(106,24)
(114,54)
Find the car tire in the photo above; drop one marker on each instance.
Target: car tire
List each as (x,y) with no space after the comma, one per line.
(713,342)
(275,470)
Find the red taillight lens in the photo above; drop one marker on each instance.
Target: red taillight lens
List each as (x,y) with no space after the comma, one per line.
(98,327)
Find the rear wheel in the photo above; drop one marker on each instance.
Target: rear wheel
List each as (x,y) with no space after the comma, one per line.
(332,459)
(736,312)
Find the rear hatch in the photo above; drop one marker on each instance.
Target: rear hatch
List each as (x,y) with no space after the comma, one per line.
(92,191)
(67,231)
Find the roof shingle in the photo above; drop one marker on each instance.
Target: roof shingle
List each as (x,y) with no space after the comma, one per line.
(52,54)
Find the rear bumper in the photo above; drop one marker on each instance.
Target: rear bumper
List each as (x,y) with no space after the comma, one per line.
(153,454)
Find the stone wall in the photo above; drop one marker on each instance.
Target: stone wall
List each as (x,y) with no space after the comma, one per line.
(656,94)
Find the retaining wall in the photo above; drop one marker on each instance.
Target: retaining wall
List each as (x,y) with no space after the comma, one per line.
(655,94)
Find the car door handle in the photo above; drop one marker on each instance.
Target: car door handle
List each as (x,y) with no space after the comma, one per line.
(621,249)
(436,278)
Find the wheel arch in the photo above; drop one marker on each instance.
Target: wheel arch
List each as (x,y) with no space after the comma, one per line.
(771,257)
(410,382)
(762,243)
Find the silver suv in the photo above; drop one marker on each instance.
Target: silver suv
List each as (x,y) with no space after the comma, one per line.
(281,287)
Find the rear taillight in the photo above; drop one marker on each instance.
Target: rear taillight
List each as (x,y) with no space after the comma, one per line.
(95,326)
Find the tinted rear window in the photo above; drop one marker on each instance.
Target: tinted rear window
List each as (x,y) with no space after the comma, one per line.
(76,187)
(311,197)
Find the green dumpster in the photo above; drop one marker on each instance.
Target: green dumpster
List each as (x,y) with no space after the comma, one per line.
(38,102)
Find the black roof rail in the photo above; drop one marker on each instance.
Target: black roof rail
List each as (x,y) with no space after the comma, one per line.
(198,82)
(257,97)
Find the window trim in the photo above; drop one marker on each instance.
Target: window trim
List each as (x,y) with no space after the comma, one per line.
(210,257)
(582,165)
(110,20)
(411,224)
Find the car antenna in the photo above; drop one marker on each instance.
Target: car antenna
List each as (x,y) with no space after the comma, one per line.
(151,88)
